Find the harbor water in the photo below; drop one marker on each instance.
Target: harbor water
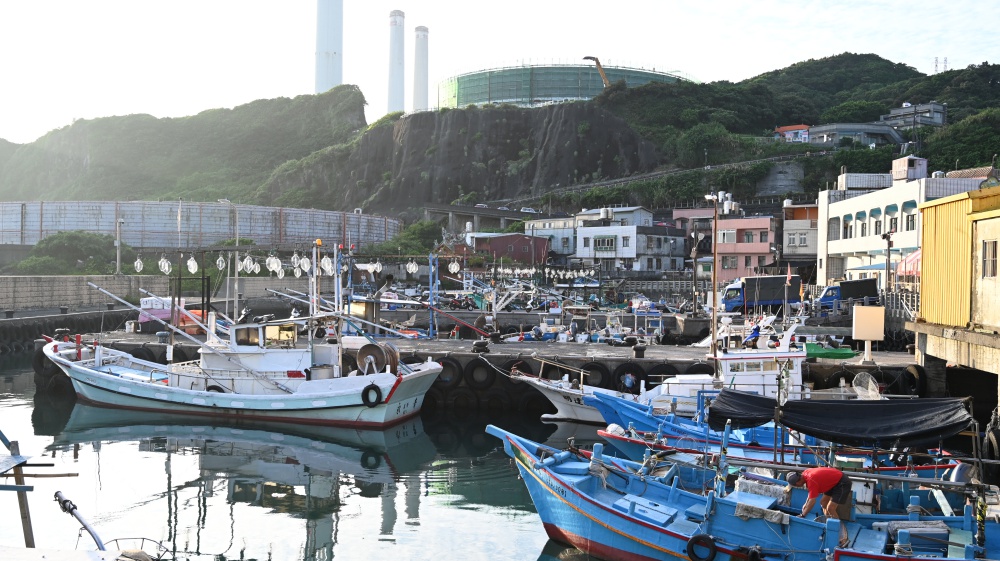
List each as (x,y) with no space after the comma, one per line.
(436,487)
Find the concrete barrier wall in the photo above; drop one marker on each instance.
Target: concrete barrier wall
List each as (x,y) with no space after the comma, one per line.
(51,292)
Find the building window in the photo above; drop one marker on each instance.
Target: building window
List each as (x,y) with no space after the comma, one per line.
(747,237)
(727,236)
(649,242)
(627,264)
(747,260)
(659,243)
(673,264)
(989,258)
(510,249)
(624,221)
(911,222)
(763,237)
(802,239)
(524,249)
(626,240)
(659,263)
(761,261)
(791,239)
(649,263)
(586,242)
(847,231)
(864,229)
(729,262)
(893,224)
(565,243)
(878,227)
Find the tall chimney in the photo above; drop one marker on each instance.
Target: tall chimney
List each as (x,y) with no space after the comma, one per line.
(396,64)
(420,70)
(329,44)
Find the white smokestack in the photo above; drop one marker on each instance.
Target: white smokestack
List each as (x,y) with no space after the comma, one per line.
(396,63)
(329,44)
(420,90)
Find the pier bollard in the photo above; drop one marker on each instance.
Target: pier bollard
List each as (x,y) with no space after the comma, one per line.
(63,309)
(162,336)
(639,351)
(8,313)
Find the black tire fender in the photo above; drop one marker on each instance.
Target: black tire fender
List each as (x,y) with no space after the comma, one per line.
(495,400)
(461,399)
(371,395)
(659,373)
(479,374)
(916,376)
(624,369)
(451,374)
(701,541)
(143,353)
(700,368)
(598,375)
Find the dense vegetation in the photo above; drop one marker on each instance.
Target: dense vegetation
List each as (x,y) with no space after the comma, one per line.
(317,151)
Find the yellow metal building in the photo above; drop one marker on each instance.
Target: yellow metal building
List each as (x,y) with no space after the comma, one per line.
(959,319)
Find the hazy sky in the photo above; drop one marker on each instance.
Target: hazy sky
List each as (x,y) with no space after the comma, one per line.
(69,59)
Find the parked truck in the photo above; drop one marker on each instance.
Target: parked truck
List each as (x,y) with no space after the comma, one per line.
(764,292)
(864,290)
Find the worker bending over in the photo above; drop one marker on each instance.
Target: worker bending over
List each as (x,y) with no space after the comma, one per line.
(835,487)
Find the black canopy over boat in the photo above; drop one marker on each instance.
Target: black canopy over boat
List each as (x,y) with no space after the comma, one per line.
(904,422)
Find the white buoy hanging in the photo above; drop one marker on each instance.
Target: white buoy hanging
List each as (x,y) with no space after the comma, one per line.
(138,264)
(256,268)
(298,272)
(295,259)
(281,273)
(220,263)
(305,264)
(247,263)
(192,265)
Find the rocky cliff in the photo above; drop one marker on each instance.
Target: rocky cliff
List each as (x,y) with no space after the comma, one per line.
(474,153)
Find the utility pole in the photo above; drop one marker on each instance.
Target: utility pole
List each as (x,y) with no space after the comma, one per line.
(118,245)
(888,254)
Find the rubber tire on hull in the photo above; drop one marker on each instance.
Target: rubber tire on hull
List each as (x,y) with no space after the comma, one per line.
(703,541)
(451,374)
(629,368)
(598,375)
(479,375)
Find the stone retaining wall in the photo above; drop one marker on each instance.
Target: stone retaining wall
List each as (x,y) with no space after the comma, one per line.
(51,292)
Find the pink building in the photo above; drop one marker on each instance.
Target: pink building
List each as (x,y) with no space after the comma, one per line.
(744,245)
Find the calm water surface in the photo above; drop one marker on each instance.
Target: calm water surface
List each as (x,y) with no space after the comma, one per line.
(433,488)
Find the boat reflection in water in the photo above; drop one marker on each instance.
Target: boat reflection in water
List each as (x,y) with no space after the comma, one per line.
(249,490)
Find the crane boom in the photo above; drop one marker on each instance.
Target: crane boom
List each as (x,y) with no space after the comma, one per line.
(599,69)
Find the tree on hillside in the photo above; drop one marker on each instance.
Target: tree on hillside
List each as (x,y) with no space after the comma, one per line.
(416,239)
(73,252)
(853,112)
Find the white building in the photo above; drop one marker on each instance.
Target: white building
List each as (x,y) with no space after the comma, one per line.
(854,218)
(561,233)
(626,239)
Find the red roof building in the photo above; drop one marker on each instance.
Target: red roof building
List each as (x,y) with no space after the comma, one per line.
(792,133)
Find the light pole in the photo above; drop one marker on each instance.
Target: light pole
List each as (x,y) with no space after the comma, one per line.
(776,248)
(715,266)
(118,245)
(695,239)
(236,260)
(888,254)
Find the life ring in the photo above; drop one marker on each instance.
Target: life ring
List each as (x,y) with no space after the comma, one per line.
(450,375)
(367,396)
(479,375)
(597,375)
(703,541)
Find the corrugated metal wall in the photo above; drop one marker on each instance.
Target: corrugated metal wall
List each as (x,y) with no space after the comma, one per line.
(946,270)
(156,224)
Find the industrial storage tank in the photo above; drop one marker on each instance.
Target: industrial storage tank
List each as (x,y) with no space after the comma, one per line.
(527,86)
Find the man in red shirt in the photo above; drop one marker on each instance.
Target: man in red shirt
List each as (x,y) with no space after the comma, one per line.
(830,482)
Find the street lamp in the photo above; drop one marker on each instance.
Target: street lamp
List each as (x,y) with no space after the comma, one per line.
(714,198)
(118,245)
(236,259)
(696,238)
(888,254)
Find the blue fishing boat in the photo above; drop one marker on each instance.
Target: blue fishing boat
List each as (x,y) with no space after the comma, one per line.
(623,511)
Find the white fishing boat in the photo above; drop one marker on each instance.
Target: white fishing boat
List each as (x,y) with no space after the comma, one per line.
(260,373)
(773,368)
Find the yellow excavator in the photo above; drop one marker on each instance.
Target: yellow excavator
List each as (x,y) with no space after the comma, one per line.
(599,69)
